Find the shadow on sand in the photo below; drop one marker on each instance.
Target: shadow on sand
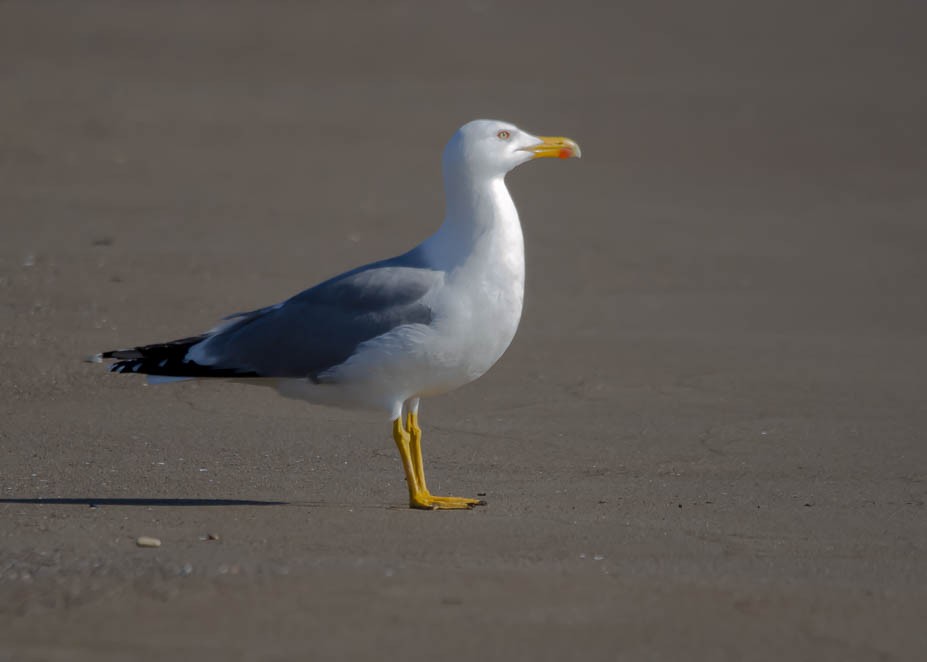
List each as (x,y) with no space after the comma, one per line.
(88,501)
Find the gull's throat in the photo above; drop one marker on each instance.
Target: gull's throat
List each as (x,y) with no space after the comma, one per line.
(480,219)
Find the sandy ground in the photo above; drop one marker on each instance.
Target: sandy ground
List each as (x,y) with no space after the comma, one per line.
(706,443)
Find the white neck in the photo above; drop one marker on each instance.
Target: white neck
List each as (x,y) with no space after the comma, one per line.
(480,219)
(480,248)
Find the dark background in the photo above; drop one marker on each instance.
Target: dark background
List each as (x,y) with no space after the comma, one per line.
(707,441)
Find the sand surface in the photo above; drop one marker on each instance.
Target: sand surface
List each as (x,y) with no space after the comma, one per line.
(707,441)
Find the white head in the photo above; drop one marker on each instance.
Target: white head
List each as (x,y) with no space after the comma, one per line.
(490,148)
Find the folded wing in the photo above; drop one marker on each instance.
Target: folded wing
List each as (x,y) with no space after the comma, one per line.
(308,334)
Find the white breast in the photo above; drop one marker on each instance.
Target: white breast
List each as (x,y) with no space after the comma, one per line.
(478,310)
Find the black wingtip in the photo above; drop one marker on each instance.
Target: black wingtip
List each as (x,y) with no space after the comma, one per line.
(167,359)
(120,354)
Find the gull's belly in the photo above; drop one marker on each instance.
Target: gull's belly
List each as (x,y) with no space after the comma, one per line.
(474,326)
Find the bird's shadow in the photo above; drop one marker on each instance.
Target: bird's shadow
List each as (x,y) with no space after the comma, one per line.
(142,501)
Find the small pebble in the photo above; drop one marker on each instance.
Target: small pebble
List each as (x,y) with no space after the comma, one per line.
(212,536)
(146,541)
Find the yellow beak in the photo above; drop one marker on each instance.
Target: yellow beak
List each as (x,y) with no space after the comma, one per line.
(554,147)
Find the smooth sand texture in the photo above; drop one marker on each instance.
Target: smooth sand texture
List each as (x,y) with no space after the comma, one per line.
(706,443)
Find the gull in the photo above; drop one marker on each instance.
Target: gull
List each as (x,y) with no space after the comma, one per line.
(384,335)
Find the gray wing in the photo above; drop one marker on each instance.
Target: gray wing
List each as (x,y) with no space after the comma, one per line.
(322,326)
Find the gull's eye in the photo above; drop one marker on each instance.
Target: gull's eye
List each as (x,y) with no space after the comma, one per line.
(503,135)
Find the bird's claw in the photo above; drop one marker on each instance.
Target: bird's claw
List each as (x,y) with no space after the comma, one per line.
(430,502)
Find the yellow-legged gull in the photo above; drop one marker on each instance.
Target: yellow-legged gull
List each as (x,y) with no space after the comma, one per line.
(386,334)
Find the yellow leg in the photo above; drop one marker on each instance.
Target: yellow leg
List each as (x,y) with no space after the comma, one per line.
(415,445)
(402,439)
(409,443)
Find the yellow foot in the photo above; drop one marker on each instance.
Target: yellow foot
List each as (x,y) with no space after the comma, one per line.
(409,443)
(428,501)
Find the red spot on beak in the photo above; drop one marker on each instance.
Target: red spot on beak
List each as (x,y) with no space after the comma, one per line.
(565,153)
